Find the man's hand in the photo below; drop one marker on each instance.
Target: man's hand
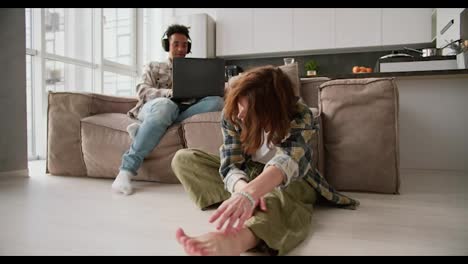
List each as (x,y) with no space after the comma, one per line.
(169,93)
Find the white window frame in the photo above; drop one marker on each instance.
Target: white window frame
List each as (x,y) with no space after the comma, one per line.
(39,99)
(32,154)
(33,53)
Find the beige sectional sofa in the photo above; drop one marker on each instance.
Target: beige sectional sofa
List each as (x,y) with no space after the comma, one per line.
(356,149)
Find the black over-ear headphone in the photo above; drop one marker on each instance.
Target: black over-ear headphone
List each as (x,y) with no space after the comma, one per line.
(165,43)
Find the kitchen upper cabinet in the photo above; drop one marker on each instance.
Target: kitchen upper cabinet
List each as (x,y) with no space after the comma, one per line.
(314,28)
(272,29)
(358,27)
(406,25)
(267,30)
(234,31)
(448,25)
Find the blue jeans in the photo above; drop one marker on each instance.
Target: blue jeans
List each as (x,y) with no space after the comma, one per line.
(156,116)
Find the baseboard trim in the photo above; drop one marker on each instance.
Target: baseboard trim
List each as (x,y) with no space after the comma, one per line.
(15,173)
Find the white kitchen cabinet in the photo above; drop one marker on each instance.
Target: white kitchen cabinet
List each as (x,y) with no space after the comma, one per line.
(272,30)
(265,30)
(444,19)
(313,28)
(234,31)
(358,27)
(406,25)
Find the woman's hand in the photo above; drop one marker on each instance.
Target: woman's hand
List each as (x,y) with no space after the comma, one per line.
(238,209)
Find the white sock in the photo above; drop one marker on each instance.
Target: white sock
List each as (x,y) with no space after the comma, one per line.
(132,129)
(122,182)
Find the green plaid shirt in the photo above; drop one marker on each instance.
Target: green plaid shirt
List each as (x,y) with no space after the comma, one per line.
(293,156)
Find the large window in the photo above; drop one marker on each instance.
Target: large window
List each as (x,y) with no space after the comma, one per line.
(82,50)
(119,53)
(119,30)
(69,61)
(69,32)
(62,77)
(153,29)
(118,84)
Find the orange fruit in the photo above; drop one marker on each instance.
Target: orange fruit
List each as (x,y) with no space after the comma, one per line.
(355,69)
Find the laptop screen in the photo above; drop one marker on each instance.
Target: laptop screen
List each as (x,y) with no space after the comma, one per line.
(197,78)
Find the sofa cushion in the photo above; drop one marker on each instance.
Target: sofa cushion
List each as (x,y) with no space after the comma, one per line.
(105,140)
(360,133)
(203,131)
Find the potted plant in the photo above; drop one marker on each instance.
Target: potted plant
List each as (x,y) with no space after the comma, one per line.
(311,67)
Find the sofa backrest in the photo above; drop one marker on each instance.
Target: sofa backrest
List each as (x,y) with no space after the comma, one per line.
(309,90)
(203,131)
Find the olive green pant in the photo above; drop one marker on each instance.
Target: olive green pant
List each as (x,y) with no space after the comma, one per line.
(287,219)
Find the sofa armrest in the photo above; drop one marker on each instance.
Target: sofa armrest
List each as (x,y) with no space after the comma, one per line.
(203,131)
(65,111)
(360,134)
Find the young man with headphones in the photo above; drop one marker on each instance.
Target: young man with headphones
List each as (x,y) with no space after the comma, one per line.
(155,110)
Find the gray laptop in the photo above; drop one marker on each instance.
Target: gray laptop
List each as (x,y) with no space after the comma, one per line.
(197,78)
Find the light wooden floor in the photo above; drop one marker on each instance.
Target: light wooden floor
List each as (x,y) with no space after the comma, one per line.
(54,215)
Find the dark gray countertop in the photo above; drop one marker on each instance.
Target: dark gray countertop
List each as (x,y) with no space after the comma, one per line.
(392,74)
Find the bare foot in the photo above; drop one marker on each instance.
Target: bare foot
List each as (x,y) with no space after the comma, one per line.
(217,243)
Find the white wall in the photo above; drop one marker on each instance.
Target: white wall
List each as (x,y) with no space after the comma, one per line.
(434,123)
(158,20)
(13,132)
(190,11)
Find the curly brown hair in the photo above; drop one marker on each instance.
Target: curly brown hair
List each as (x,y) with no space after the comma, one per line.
(271,106)
(177,28)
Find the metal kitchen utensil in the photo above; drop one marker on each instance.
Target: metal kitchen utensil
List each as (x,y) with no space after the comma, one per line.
(430,52)
(427,52)
(395,54)
(454,45)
